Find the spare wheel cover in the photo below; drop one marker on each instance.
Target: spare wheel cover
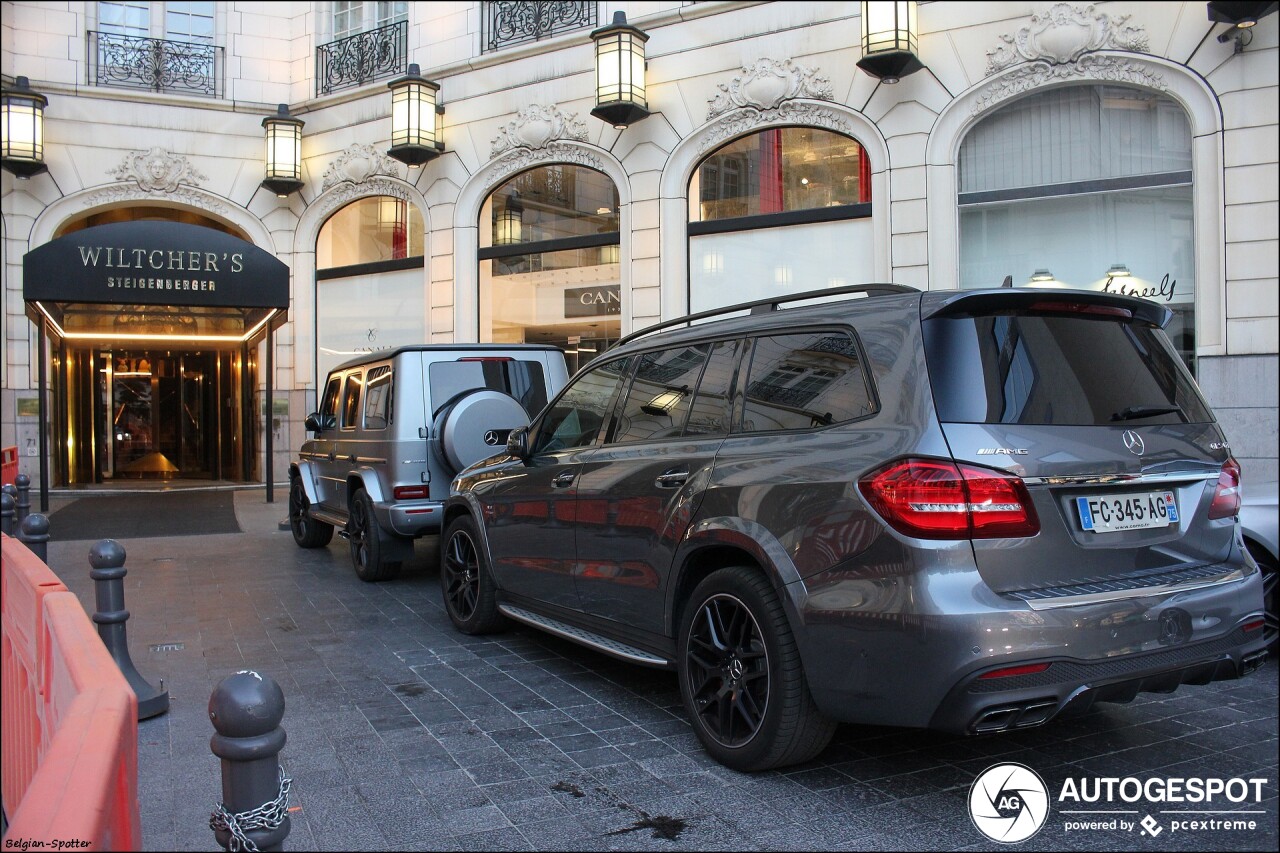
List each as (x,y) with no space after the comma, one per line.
(479,414)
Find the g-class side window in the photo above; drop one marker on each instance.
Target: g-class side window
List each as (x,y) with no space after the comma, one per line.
(805,381)
(351,400)
(377,397)
(329,404)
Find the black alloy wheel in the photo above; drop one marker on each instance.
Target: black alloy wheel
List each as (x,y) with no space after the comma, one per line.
(470,596)
(366,540)
(727,667)
(307,532)
(741,677)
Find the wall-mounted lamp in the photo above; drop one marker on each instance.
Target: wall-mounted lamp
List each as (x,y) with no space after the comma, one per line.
(416,119)
(509,223)
(1241,16)
(22,123)
(284,152)
(1118,271)
(889,33)
(620,94)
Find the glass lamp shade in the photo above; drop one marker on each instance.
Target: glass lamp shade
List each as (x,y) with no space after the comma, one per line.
(22,123)
(284,152)
(620,92)
(889,32)
(414,118)
(508,225)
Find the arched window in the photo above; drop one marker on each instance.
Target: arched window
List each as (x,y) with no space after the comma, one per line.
(549,266)
(1083,187)
(370,293)
(784,210)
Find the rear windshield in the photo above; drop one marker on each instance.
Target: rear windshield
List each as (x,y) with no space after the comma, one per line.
(1024,368)
(521,379)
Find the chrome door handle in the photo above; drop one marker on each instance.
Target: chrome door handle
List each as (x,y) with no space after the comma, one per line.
(564,478)
(671,479)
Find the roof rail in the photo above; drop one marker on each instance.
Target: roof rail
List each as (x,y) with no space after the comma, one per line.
(765,306)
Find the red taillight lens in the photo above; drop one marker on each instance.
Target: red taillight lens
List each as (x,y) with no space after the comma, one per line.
(1226,497)
(937,499)
(1011,671)
(1254,625)
(408,493)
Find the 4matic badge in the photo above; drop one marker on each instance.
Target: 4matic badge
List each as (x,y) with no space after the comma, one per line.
(1008,803)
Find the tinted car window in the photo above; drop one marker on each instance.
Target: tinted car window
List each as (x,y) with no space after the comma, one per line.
(351,400)
(575,419)
(805,381)
(521,379)
(1057,369)
(661,393)
(709,413)
(329,405)
(377,398)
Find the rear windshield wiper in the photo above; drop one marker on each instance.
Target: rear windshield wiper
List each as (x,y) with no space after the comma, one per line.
(1131,412)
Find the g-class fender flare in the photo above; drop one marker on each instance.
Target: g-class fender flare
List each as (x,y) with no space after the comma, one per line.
(755,540)
(304,472)
(365,478)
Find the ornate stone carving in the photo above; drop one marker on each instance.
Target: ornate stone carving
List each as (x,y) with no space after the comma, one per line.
(767,83)
(357,164)
(1111,69)
(536,127)
(157,171)
(519,159)
(1062,35)
(190,196)
(347,191)
(790,112)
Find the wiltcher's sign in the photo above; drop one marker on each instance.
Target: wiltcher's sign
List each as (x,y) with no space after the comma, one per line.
(155,263)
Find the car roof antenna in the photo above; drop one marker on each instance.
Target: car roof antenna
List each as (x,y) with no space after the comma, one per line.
(1008,281)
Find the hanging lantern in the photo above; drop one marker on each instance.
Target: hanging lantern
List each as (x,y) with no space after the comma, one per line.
(284,152)
(22,122)
(889,33)
(509,223)
(415,119)
(620,94)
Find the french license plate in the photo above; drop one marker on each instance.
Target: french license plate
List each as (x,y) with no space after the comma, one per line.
(1111,513)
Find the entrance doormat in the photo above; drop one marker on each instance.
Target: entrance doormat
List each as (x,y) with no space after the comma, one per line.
(177,513)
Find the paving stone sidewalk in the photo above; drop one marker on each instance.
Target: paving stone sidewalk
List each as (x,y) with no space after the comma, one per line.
(406,735)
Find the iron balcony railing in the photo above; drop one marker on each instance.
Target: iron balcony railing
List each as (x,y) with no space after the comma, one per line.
(362,58)
(136,62)
(504,24)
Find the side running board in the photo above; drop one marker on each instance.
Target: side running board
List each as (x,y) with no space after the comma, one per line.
(583,636)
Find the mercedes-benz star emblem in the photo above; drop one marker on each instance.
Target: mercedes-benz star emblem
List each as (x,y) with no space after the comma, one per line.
(491,437)
(1134,442)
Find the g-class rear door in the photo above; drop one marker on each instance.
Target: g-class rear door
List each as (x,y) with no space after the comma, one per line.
(1082,396)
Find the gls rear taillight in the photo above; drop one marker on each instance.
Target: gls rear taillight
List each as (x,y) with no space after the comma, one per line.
(1226,497)
(938,499)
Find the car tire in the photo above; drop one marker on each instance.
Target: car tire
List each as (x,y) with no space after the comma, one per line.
(466,582)
(307,532)
(368,542)
(1267,566)
(741,677)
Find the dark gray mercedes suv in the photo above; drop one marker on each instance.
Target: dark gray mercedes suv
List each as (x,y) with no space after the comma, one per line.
(971,511)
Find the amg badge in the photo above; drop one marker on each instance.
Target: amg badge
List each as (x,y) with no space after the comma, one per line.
(1008,451)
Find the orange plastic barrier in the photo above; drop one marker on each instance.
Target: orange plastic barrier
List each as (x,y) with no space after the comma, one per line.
(8,465)
(69,745)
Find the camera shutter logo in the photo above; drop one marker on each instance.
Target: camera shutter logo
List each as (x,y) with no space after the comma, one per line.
(1008,803)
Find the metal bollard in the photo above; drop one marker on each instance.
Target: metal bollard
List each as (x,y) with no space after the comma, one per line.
(246,710)
(107,559)
(23,484)
(7,513)
(34,533)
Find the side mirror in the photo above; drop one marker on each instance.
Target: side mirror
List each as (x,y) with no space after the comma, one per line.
(312,423)
(518,443)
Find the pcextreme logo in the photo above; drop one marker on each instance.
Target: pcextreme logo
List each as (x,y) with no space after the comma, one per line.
(1009,803)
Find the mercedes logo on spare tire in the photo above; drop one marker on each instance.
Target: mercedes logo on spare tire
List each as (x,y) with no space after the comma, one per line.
(491,438)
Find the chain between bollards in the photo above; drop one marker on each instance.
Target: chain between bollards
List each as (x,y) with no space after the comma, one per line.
(107,559)
(246,710)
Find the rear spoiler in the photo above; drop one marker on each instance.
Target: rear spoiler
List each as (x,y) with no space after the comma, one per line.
(973,303)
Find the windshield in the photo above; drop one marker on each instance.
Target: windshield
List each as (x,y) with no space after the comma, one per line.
(1023,367)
